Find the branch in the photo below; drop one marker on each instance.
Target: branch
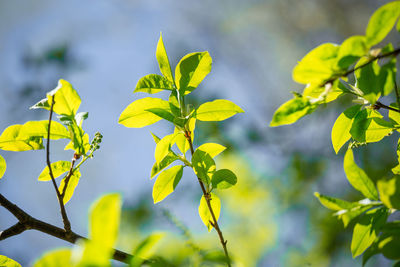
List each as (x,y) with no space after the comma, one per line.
(395,52)
(70,173)
(67,224)
(207,197)
(27,222)
(379,105)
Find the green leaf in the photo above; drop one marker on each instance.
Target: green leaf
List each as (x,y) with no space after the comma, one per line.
(348,215)
(156,138)
(7,262)
(203,165)
(366,230)
(352,49)
(358,178)
(191,71)
(389,246)
(164,163)
(181,142)
(58,168)
(73,182)
(104,220)
(368,126)
(79,140)
(382,22)
(204,211)
(163,113)
(66,99)
(318,65)
(136,116)
(217,110)
(59,257)
(393,115)
(152,84)
(341,129)
(163,62)
(212,148)
(223,179)
(389,192)
(145,249)
(40,129)
(13,138)
(3,166)
(334,203)
(166,183)
(163,147)
(291,111)
(90,253)
(322,94)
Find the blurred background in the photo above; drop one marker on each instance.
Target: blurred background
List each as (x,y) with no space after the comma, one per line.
(103,48)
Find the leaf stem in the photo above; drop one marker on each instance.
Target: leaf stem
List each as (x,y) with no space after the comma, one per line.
(67,224)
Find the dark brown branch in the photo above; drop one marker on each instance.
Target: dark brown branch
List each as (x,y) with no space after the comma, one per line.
(27,222)
(68,177)
(67,224)
(372,59)
(379,105)
(207,197)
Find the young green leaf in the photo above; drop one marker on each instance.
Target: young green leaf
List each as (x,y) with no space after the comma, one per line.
(3,166)
(13,138)
(318,66)
(203,165)
(73,182)
(368,126)
(66,99)
(166,183)
(156,138)
(212,148)
(191,71)
(40,129)
(366,230)
(223,179)
(136,116)
(145,249)
(368,80)
(104,220)
(389,192)
(79,140)
(341,129)
(163,62)
(358,178)
(58,168)
(59,257)
(352,49)
(322,94)
(163,147)
(204,212)
(163,113)
(291,111)
(7,262)
(91,253)
(181,142)
(153,83)
(334,203)
(382,22)
(164,163)
(217,110)
(348,215)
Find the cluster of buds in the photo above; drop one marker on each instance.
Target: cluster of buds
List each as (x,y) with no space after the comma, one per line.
(96,142)
(356,144)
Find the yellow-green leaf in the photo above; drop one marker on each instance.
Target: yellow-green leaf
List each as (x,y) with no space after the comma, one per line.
(205,213)
(351,49)
(58,257)
(40,129)
(136,116)
(152,84)
(217,110)
(212,148)
(163,61)
(191,70)
(223,179)
(7,262)
(291,111)
(166,183)
(73,182)
(164,163)
(66,99)
(334,203)
(181,142)
(358,178)
(163,147)
(58,168)
(13,138)
(382,22)
(322,94)
(3,166)
(104,220)
(145,249)
(341,129)
(203,165)
(368,126)
(389,192)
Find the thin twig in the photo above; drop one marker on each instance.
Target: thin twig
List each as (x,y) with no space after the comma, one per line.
(207,197)
(68,177)
(27,222)
(67,224)
(396,89)
(380,105)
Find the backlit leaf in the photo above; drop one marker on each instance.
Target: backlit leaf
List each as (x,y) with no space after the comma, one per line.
(145,249)
(164,163)
(13,138)
(152,84)
(163,62)
(205,213)
(203,165)
(163,113)
(212,148)
(341,129)
(7,262)
(73,182)
(66,99)
(389,192)
(352,49)
(136,116)
(291,111)
(59,257)
(163,147)
(58,168)
(3,166)
(358,178)
(217,110)
(368,126)
(322,94)
(223,179)
(166,183)
(191,71)
(40,128)
(334,203)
